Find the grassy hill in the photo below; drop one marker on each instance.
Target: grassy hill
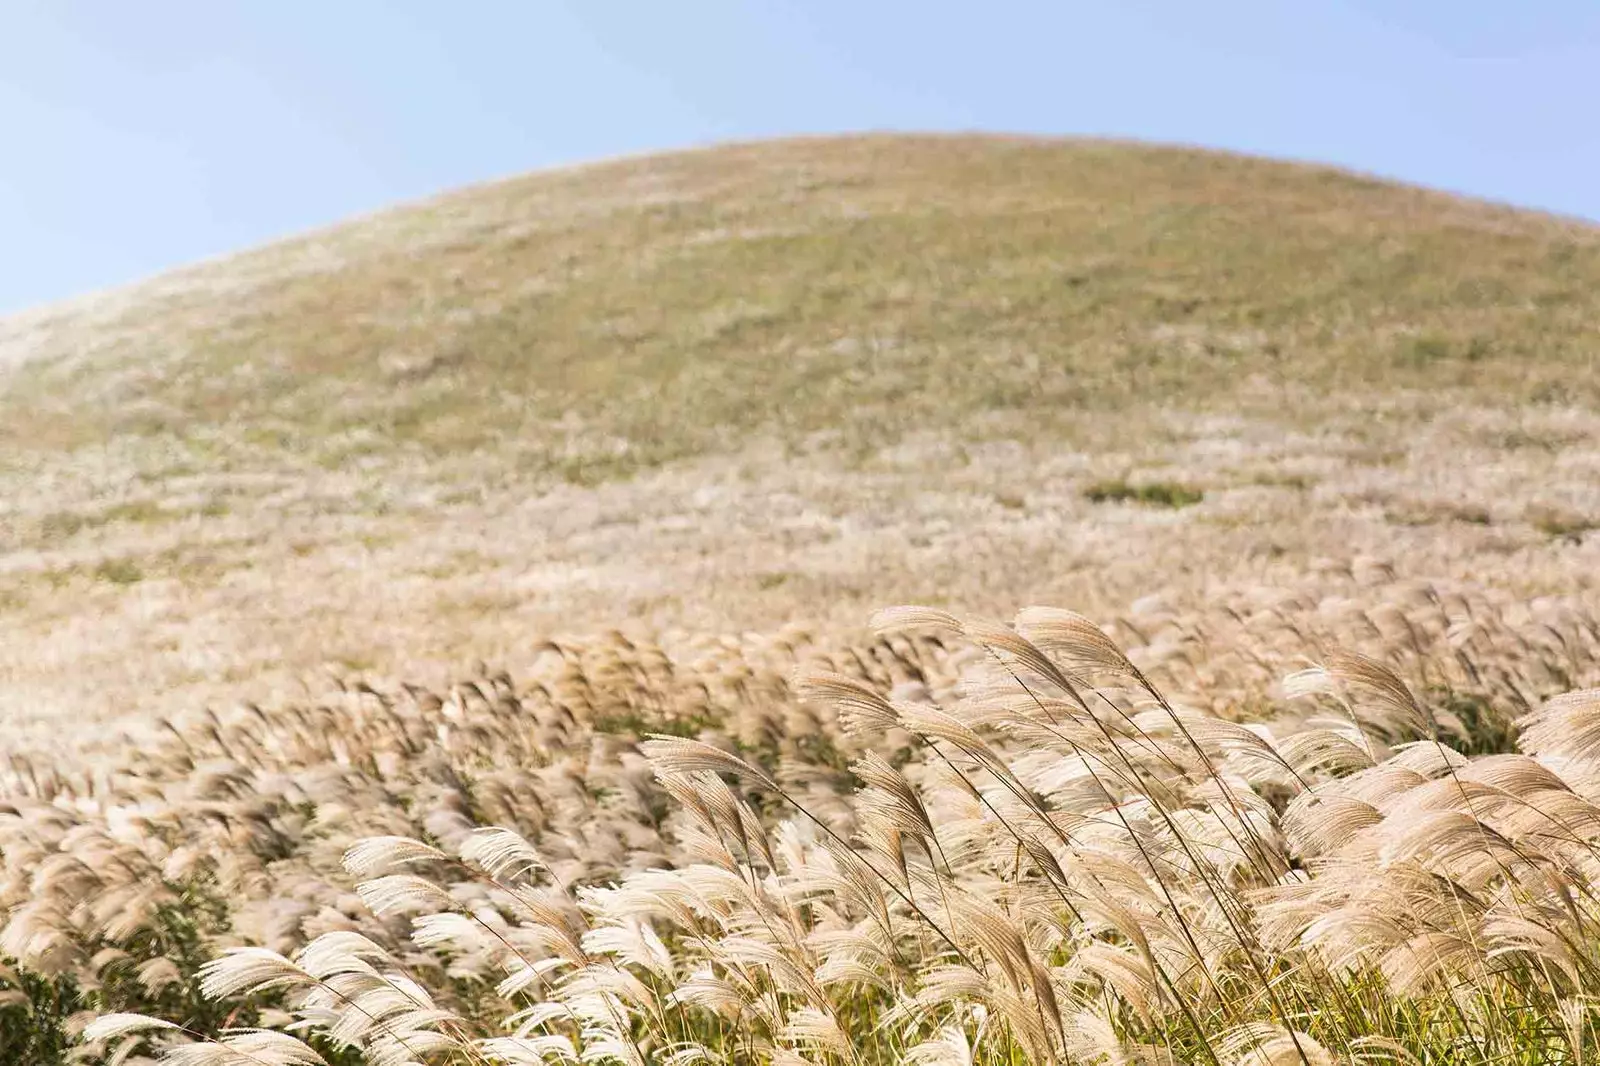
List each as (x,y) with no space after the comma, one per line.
(1321,453)
(758,383)
(861,286)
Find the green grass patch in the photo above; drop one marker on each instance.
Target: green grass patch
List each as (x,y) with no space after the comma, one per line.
(138,511)
(1169,494)
(119,571)
(58,526)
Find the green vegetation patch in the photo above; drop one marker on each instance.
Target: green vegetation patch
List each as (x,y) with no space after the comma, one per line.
(119,571)
(1169,494)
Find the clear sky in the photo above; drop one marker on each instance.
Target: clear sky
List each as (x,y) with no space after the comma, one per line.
(138,136)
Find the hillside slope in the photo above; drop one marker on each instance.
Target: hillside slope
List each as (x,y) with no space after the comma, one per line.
(790,381)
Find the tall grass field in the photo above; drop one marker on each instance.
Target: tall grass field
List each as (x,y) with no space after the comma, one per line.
(469,634)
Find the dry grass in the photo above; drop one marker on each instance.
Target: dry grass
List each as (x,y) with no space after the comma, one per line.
(960,842)
(1331,805)
(720,390)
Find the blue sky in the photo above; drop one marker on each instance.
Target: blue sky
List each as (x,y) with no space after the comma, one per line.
(138,136)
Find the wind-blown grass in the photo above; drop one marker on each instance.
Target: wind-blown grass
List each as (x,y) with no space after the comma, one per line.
(961,842)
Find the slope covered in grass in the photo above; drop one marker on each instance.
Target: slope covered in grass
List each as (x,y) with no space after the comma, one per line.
(731,387)
(863,287)
(1316,796)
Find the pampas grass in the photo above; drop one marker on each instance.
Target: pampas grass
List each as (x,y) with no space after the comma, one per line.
(1025,842)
